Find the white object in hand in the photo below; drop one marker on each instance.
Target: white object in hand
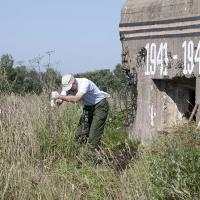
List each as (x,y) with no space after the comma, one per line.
(54,95)
(54,98)
(53,103)
(56,102)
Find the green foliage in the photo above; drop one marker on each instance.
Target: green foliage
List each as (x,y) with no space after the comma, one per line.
(175,164)
(120,77)
(26,81)
(56,136)
(116,136)
(32,83)
(51,80)
(7,73)
(6,66)
(20,80)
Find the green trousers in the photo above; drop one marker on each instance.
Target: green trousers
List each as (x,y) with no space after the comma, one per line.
(91,124)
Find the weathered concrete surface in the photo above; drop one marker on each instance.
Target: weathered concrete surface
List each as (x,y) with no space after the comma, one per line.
(168,70)
(143,10)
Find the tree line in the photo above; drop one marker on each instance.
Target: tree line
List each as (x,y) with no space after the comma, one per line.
(22,80)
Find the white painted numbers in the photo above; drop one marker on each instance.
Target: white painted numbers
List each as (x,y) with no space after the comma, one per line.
(152,114)
(197,56)
(191,56)
(156,58)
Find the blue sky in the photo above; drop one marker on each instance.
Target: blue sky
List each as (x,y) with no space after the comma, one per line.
(83,33)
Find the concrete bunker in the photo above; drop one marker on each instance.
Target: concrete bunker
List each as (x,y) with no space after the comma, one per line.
(161,48)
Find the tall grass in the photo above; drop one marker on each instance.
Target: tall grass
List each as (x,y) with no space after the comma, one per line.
(39,158)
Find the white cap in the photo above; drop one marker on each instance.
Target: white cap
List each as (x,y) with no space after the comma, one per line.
(67,81)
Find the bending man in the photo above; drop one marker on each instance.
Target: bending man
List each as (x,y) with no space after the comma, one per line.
(95,110)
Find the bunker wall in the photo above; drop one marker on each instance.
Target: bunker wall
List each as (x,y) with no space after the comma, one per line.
(161,43)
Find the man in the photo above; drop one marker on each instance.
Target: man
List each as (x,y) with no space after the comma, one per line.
(95,110)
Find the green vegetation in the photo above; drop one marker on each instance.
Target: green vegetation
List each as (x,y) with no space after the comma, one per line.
(175,164)
(23,79)
(39,158)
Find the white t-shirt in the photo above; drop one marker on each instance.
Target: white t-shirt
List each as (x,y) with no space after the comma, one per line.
(92,94)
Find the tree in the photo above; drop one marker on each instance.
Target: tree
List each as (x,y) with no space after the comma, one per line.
(32,83)
(19,80)
(120,77)
(26,81)
(51,80)
(7,73)
(21,73)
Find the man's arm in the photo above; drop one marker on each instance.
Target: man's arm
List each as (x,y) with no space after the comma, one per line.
(73,99)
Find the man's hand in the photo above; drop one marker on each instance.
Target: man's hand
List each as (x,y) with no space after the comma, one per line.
(59,102)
